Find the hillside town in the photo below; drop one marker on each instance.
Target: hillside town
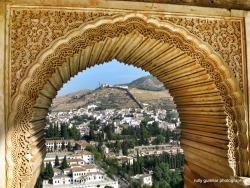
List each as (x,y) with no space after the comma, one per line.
(122,118)
(89,147)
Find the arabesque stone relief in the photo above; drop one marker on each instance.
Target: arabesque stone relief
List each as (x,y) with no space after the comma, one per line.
(34,31)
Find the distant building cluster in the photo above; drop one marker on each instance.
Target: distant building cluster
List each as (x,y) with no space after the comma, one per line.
(121,118)
(82,171)
(156,150)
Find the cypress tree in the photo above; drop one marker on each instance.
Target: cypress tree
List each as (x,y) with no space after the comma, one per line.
(57,130)
(42,171)
(39,182)
(69,146)
(74,132)
(138,163)
(128,167)
(64,163)
(63,145)
(124,148)
(64,131)
(167,137)
(91,133)
(54,131)
(134,167)
(141,167)
(79,137)
(50,170)
(55,145)
(57,161)
(174,161)
(50,131)
(170,162)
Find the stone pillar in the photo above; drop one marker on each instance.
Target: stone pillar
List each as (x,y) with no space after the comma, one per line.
(2,96)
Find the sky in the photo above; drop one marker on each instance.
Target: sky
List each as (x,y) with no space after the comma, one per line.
(112,72)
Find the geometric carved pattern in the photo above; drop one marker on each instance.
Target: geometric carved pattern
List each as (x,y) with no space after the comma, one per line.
(37,25)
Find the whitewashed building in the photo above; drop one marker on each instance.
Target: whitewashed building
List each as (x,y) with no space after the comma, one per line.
(143,179)
(61,180)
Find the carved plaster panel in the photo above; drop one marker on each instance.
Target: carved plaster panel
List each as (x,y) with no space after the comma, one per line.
(34,30)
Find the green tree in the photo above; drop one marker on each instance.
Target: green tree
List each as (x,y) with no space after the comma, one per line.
(167,136)
(78,136)
(138,163)
(50,131)
(134,185)
(69,146)
(64,131)
(155,129)
(39,182)
(57,132)
(160,184)
(64,163)
(160,139)
(48,172)
(55,146)
(73,132)
(63,145)
(125,147)
(177,180)
(117,146)
(91,133)
(42,171)
(161,171)
(57,161)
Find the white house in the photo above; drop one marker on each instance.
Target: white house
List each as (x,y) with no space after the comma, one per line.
(146,179)
(126,159)
(143,179)
(57,172)
(61,180)
(87,156)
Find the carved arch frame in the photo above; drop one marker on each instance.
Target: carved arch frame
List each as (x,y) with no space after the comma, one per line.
(56,54)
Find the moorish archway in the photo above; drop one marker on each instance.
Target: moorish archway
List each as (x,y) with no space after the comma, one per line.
(204,88)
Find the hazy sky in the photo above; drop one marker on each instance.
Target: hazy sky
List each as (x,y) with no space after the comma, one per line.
(112,72)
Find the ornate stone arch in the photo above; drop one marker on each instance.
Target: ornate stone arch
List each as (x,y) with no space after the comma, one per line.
(166,50)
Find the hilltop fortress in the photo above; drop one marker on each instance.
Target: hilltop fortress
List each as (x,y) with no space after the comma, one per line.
(114,86)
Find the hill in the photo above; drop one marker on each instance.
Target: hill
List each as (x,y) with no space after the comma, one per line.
(103,97)
(147,83)
(143,90)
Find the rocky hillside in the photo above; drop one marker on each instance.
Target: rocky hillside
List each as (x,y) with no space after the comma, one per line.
(147,83)
(102,97)
(118,98)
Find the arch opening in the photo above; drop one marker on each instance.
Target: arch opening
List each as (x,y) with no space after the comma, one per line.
(126,97)
(203,88)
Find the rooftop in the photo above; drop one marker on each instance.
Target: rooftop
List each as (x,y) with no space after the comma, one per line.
(83,152)
(78,169)
(61,176)
(61,154)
